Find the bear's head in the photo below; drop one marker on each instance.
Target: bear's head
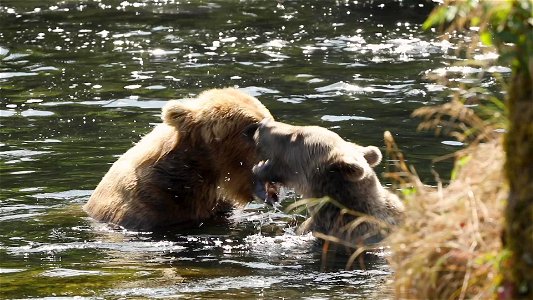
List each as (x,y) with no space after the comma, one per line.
(212,126)
(215,115)
(302,156)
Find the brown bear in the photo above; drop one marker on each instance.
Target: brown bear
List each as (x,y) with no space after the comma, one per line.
(187,169)
(318,163)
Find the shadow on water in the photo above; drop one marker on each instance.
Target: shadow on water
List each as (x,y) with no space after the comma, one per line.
(81,81)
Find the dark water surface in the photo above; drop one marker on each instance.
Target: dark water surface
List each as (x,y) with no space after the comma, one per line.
(81,81)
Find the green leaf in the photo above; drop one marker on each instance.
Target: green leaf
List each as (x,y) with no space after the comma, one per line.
(437,17)
(460,163)
(475,21)
(407,192)
(486,38)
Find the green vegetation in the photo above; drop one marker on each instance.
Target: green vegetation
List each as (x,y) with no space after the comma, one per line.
(449,246)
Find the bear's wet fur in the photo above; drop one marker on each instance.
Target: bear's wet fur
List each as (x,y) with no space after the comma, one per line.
(318,163)
(193,166)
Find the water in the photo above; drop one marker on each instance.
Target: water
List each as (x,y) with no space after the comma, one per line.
(81,81)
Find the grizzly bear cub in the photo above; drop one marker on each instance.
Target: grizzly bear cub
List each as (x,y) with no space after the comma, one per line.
(187,169)
(318,163)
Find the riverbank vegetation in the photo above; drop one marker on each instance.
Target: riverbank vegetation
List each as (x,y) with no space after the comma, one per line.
(473,239)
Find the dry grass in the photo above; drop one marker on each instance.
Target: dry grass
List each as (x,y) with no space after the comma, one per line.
(460,121)
(334,244)
(449,245)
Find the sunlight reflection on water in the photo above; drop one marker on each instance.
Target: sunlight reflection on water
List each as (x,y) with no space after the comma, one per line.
(82,81)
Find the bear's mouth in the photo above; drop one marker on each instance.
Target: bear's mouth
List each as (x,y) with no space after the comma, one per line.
(267,191)
(272,193)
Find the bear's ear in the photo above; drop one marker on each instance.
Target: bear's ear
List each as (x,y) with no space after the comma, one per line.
(249,132)
(348,169)
(177,113)
(372,155)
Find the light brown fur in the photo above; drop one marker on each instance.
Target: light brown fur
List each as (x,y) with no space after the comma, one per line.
(318,163)
(188,169)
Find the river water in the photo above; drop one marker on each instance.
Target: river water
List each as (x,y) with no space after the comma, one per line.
(81,81)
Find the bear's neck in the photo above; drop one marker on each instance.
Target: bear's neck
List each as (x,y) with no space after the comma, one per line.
(352,199)
(364,196)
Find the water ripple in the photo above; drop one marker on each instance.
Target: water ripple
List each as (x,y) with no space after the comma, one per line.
(125,246)
(331,118)
(342,86)
(6,75)
(61,272)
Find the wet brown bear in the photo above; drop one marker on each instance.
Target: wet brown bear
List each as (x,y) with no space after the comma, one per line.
(318,163)
(187,169)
